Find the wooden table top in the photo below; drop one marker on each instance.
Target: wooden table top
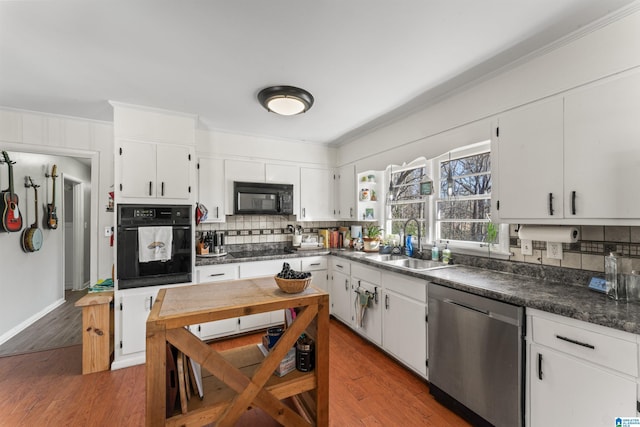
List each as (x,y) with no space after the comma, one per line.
(230,297)
(95,298)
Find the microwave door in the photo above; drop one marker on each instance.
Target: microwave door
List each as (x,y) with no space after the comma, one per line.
(257,203)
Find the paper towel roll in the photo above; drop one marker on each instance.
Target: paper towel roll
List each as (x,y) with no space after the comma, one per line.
(557,234)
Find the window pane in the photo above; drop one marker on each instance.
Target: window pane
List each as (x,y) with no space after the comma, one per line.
(464,209)
(406,211)
(468,231)
(412,228)
(469,175)
(406,184)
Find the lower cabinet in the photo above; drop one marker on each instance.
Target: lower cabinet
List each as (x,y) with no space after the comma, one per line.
(404,320)
(579,373)
(366,305)
(135,306)
(318,266)
(340,296)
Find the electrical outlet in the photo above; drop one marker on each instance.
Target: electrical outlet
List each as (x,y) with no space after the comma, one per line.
(554,250)
(108,231)
(526,247)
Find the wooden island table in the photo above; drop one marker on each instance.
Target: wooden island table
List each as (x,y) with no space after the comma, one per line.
(241,378)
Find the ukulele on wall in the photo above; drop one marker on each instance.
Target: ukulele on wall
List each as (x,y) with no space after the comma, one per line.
(51,219)
(32,236)
(11,216)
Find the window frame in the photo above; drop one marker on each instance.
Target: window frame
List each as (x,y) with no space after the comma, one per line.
(500,248)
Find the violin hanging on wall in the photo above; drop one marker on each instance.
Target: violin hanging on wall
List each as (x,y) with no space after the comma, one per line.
(51,219)
(11,216)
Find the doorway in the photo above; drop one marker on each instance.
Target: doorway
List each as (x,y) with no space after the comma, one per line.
(74,239)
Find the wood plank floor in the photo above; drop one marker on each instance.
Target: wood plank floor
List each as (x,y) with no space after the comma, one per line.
(366,389)
(61,327)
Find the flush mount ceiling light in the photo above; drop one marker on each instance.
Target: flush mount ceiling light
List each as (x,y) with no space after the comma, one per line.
(285,100)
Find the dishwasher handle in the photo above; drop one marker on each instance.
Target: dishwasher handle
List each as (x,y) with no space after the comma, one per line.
(468,307)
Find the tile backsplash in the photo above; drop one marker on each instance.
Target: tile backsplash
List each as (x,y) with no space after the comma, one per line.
(588,253)
(251,229)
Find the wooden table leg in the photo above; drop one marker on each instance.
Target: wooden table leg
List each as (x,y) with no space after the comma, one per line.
(156,375)
(322,364)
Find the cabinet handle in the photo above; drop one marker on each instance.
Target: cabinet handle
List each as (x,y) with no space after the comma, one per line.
(572,341)
(550,203)
(162,189)
(386,302)
(540,366)
(339,266)
(150,303)
(303,213)
(217,213)
(150,187)
(346,284)
(573,202)
(314,263)
(350,212)
(217,274)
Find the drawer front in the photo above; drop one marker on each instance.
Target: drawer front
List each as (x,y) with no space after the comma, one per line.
(266,268)
(607,351)
(216,273)
(363,272)
(341,265)
(405,285)
(314,263)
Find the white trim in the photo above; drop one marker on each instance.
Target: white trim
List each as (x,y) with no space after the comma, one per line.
(29,321)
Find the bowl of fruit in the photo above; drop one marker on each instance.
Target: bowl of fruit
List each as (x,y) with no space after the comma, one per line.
(291,281)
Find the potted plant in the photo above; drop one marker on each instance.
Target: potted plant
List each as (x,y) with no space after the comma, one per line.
(372,238)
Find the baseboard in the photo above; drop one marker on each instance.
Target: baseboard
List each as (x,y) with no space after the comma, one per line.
(128,361)
(28,322)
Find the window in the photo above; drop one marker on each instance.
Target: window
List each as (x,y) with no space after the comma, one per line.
(409,189)
(463,205)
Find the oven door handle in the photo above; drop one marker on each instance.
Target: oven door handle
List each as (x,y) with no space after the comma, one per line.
(136,228)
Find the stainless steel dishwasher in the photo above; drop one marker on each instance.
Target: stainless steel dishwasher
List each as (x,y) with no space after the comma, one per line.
(476,356)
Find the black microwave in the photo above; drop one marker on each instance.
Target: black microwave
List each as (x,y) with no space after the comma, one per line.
(261,198)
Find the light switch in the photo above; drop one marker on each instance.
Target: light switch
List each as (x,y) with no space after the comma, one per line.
(554,250)
(526,247)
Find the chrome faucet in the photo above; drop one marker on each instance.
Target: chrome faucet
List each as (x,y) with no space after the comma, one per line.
(404,242)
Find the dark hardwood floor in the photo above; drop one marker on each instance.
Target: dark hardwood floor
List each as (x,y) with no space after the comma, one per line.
(367,388)
(61,327)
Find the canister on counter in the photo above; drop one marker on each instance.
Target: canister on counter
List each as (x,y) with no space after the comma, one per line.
(305,354)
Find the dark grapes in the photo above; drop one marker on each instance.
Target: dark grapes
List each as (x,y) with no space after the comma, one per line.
(288,273)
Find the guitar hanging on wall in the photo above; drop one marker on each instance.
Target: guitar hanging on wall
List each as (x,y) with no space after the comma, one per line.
(11,216)
(52,218)
(32,236)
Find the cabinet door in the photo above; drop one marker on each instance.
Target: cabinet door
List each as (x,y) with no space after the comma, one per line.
(211,187)
(367,313)
(340,295)
(243,171)
(527,162)
(285,174)
(568,391)
(319,279)
(315,194)
(345,190)
(173,171)
(218,328)
(256,321)
(602,150)
(135,310)
(138,169)
(404,330)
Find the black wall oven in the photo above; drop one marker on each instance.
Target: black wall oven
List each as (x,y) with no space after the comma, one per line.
(154,245)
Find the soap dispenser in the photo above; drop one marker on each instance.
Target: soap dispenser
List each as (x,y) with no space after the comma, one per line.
(409,246)
(435,252)
(446,254)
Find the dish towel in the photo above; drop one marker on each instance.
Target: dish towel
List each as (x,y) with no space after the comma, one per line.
(155,243)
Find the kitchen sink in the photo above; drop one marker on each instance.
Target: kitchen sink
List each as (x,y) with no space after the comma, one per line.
(415,264)
(386,257)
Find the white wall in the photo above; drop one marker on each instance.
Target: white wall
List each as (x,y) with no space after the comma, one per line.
(465,117)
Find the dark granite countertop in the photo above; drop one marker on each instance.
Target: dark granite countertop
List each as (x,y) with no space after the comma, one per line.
(569,300)
(566,299)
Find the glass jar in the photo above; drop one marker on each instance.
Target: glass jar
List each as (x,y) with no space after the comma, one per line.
(611,275)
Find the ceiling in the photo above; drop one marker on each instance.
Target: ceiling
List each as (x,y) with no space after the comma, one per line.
(366,62)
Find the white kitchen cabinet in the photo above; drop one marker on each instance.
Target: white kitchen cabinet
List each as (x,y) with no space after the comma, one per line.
(211,188)
(370,197)
(345,192)
(285,174)
(216,329)
(216,273)
(527,162)
(134,306)
(602,149)
(318,266)
(596,366)
(404,320)
(340,290)
(151,170)
(242,171)
(315,194)
(570,159)
(365,287)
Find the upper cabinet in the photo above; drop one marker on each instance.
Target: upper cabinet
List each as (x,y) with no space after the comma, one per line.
(571,159)
(316,194)
(211,188)
(151,170)
(345,192)
(602,150)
